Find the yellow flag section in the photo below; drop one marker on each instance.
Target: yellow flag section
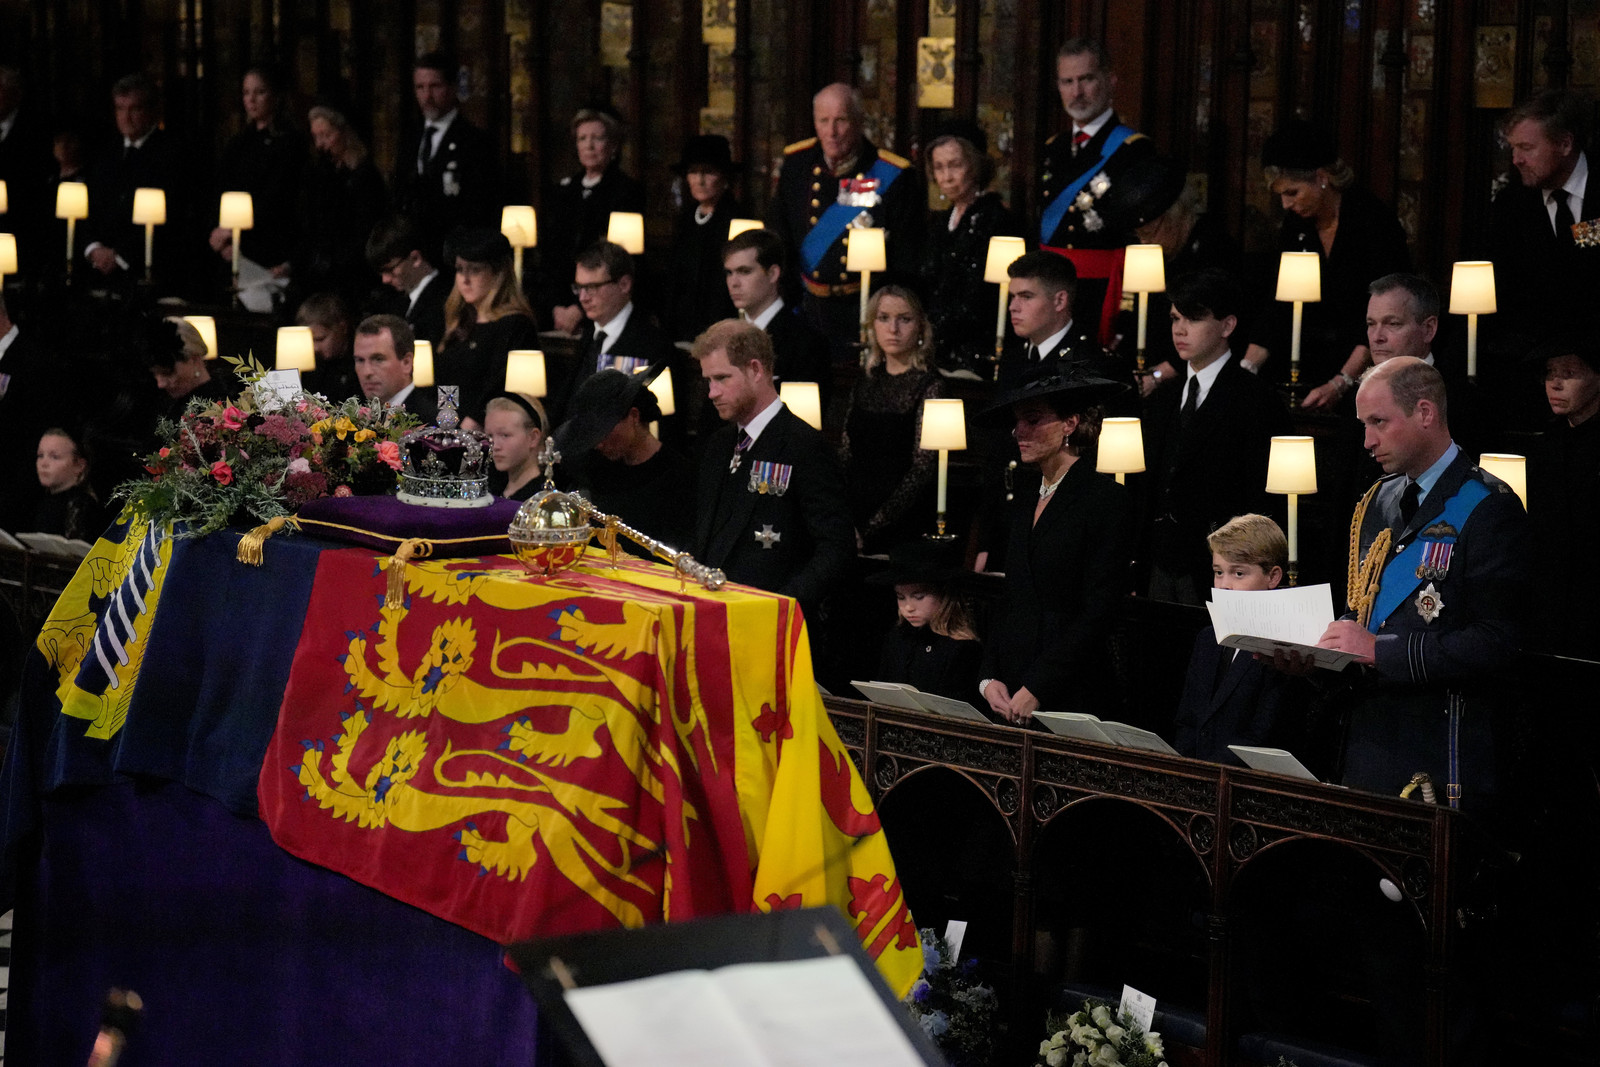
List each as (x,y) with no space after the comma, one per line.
(812,834)
(96,635)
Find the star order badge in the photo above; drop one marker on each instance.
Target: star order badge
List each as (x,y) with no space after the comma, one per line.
(768,536)
(1429,603)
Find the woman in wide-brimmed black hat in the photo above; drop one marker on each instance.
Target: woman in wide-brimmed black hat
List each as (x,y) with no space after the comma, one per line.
(934,646)
(697,294)
(1066,556)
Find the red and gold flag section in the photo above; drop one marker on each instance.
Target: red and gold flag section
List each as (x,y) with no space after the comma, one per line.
(600,749)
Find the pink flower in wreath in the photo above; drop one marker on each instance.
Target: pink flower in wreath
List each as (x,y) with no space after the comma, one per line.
(389,452)
(344,490)
(232,418)
(222,472)
(299,465)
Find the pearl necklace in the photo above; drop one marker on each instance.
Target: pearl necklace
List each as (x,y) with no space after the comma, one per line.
(1045,491)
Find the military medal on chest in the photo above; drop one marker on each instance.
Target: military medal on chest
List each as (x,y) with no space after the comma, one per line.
(862,193)
(770,479)
(1429,603)
(1436,552)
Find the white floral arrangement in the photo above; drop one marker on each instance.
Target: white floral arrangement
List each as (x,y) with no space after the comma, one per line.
(1097,1037)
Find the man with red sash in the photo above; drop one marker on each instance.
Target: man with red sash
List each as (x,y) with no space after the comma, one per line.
(1439,572)
(1081,164)
(829,183)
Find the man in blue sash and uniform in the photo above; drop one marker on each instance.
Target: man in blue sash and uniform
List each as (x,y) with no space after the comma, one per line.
(1439,569)
(829,183)
(1081,165)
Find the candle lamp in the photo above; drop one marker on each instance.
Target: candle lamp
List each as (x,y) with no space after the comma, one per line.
(8,256)
(296,349)
(422,364)
(1121,448)
(521,227)
(236,212)
(738,226)
(944,427)
(661,388)
(1003,251)
(72,204)
(1144,271)
(626,228)
(524,372)
(805,400)
(206,327)
(864,252)
(1509,468)
(5,204)
(1299,283)
(1472,294)
(149,211)
(1292,471)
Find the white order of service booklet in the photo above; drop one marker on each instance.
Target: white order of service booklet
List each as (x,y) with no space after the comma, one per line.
(1274,620)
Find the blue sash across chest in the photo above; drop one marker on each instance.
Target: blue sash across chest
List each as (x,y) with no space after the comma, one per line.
(1400,578)
(833,222)
(1056,210)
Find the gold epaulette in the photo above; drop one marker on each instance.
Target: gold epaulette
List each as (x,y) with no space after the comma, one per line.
(1051,139)
(889,157)
(1132,137)
(799,146)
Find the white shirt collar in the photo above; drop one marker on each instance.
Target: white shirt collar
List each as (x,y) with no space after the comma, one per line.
(128,142)
(1575,184)
(442,124)
(1054,339)
(7,123)
(764,416)
(763,320)
(1208,377)
(7,339)
(398,401)
(1092,127)
(417,291)
(618,323)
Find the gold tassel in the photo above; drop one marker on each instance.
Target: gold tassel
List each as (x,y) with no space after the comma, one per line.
(251,544)
(415,547)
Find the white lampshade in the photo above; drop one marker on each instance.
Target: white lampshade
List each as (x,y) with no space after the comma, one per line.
(738,226)
(864,249)
(1472,288)
(72,200)
(944,425)
(1003,251)
(8,253)
(1121,446)
(4,201)
(296,351)
(1292,466)
(626,228)
(1300,277)
(1509,468)
(206,327)
(236,212)
(422,364)
(521,227)
(804,399)
(524,372)
(661,387)
(1144,269)
(150,207)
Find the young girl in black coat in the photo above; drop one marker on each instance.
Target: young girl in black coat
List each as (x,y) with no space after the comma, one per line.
(933,645)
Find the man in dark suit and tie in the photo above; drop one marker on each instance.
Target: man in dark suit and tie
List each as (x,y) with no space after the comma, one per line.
(771,495)
(1043,290)
(395,251)
(447,177)
(616,332)
(1207,443)
(142,156)
(384,346)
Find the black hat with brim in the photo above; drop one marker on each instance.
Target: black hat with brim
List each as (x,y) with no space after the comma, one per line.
(1572,342)
(476,244)
(1298,145)
(1056,380)
(922,562)
(602,401)
(1143,193)
(707,150)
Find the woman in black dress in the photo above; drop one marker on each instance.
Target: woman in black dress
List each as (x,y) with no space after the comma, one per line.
(1066,558)
(485,318)
(577,211)
(696,291)
(266,159)
(889,477)
(344,199)
(961,304)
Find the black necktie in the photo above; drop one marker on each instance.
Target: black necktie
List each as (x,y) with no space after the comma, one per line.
(1408,504)
(1033,353)
(596,347)
(1564,219)
(425,150)
(1191,402)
